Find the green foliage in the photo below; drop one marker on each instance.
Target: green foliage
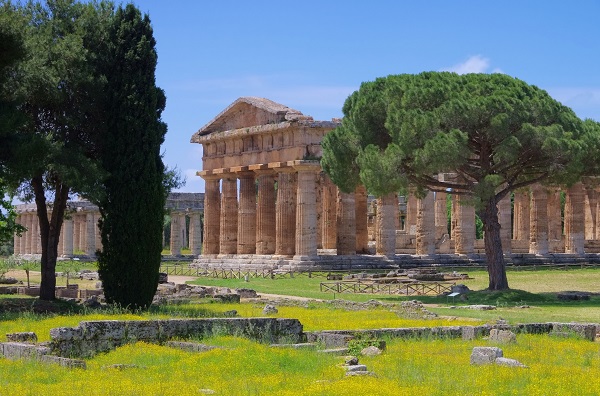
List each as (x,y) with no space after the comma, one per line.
(134,195)
(362,341)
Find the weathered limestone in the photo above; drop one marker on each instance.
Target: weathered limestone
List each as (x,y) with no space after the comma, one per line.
(176,243)
(306,216)
(229,215)
(410,223)
(246,233)
(555,227)
(385,225)
(346,224)
(441,215)
(265,212)
(285,216)
(504,218)
(195,233)
(426,225)
(463,220)
(329,219)
(574,219)
(360,216)
(212,214)
(591,203)
(521,215)
(538,240)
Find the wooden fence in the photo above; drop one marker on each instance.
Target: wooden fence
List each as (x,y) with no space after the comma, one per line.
(401,288)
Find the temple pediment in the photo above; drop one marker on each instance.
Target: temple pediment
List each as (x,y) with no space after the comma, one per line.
(247,112)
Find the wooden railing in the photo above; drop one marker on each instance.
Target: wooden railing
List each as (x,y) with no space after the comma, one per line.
(402,288)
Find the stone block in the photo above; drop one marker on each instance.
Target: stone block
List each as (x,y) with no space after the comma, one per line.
(104,329)
(25,337)
(142,330)
(485,355)
(66,333)
(17,350)
(502,336)
(356,367)
(64,362)
(330,340)
(502,361)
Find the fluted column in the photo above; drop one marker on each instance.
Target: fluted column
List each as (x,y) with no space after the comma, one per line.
(464,226)
(97,231)
(175,245)
(76,232)
(329,222)
(306,216)
(27,224)
(346,224)
(410,224)
(574,219)
(212,215)
(90,246)
(555,226)
(17,239)
(265,212)
(195,233)
(538,240)
(505,219)
(285,216)
(591,200)
(229,215)
(521,216)
(319,208)
(425,236)
(385,225)
(441,215)
(246,237)
(83,233)
(67,238)
(360,216)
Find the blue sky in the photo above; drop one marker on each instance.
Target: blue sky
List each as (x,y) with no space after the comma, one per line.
(310,55)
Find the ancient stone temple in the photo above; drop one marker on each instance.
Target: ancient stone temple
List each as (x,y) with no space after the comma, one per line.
(80,236)
(269,205)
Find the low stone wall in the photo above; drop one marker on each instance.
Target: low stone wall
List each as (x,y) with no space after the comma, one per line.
(91,337)
(340,338)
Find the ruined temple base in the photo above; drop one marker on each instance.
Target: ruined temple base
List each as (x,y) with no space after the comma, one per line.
(328,262)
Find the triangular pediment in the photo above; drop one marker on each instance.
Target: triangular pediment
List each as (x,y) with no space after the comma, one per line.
(247,112)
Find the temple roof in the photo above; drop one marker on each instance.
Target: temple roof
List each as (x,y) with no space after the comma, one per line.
(249,111)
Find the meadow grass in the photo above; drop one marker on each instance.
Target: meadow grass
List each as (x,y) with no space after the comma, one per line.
(408,367)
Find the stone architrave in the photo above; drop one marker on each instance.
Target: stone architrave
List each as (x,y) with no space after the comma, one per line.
(538,240)
(505,220)
(212,214)
(229,215)
(385,226)
(285,216)
(464,226)
(306,216)
(328,220)
(410,222)
(521,223)
(195,233)
(175,245)
(441,215)
(246,233)
(591,200)
(67,238)
(265,212)
(574,219)
(346,224)
(425,236)
(360,216)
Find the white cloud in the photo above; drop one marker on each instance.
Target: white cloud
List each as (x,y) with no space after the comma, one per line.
(474,64)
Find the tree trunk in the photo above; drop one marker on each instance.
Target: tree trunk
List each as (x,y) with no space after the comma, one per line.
(49,233)
(493,247)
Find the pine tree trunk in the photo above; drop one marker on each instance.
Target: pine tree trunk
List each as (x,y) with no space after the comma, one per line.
(493,247)
(49,233)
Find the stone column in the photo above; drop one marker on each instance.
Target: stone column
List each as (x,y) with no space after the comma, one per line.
(195,233)
(346,224)
(90,243)
(212,215)
(175,245)
(83,233)
(319,208)
(265,212)
(505,219)
(538,241)
(425,237)
(591,200)
(410,224)
(597,235)
(37,242)
(464,226)
(246,237)
(27,224)
(441,215)
(385,225)
(329,222)
(229,215)
(555,227)
(306,216)
(67,238)
(285,216)
(360,216)
(574,220)
(521,216)
(76,232)
(97,231)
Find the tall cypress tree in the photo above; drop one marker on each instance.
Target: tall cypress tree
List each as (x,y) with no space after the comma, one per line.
(132,207)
